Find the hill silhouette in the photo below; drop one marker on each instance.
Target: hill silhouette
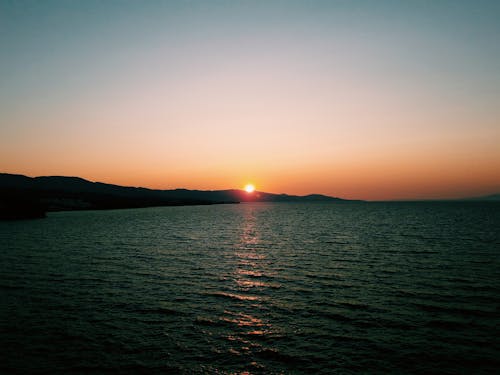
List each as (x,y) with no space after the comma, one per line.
(19,193)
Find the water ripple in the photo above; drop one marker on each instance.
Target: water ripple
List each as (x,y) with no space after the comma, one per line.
(253,289)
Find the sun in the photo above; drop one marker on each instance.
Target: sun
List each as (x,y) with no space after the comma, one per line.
(249,188)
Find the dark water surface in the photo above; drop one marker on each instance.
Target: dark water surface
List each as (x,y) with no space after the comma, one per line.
(257,288)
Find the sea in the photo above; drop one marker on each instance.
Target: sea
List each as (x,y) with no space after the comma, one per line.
(254,288)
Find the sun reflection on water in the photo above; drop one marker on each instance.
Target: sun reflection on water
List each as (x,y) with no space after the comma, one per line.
(251,279)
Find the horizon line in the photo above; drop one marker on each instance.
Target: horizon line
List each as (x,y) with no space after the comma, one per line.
(463,198)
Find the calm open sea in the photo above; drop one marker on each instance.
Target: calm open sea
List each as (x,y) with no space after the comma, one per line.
(255,287)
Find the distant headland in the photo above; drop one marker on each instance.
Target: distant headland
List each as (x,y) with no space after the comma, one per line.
(30,197)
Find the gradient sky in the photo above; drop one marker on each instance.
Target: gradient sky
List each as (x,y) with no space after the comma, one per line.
(357,99)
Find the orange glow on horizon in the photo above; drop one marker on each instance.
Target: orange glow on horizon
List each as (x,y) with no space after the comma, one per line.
(405,175)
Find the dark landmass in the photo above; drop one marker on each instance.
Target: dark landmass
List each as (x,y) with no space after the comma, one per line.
(29,197)
(243,196)
(19,205)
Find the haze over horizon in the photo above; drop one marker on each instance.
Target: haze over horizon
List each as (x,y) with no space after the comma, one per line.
(358,100)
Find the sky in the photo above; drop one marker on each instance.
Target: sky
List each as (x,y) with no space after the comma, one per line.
(359,99)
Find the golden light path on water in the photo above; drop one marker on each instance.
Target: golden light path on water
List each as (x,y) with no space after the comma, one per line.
(250,278)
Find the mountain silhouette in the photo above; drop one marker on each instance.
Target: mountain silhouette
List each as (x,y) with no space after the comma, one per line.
(30,196)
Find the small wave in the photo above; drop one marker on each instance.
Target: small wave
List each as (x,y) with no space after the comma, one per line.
(336,316)
(11,287)
(243,320)
(167,311)
(255,274)
(455,310)
(238,297)
(250,273)
(447,324)
(202,320)
(256,284)
(275,355)
(357,306)
(257,332)
(250,256)
(334,277)
(161,311)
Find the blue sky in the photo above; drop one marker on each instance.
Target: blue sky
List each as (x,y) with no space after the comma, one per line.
(130,90)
